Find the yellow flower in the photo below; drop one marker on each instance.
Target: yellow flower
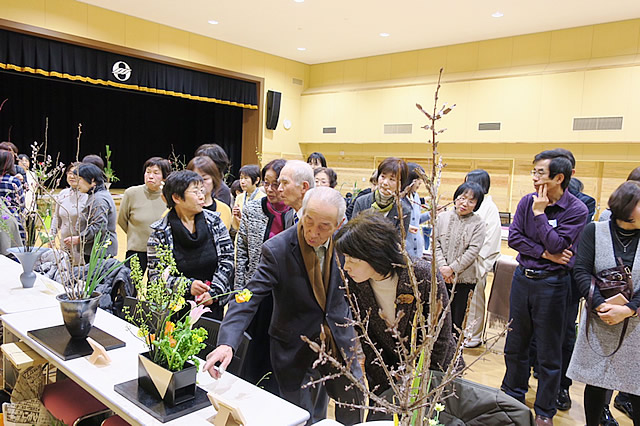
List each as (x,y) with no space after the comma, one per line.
(244,296)
(107,243)
(177,306)
(439,407)
(433,422)
(142,332)
(200,339)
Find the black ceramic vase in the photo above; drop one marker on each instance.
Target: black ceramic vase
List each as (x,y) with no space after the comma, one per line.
(78,314)
(173,387)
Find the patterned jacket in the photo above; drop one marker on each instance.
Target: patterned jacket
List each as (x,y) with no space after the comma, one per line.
(256,220)
(161,235)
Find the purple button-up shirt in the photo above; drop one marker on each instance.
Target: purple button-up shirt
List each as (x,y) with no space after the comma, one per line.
(557,229)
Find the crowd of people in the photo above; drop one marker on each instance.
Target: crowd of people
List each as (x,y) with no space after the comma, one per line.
(284,232)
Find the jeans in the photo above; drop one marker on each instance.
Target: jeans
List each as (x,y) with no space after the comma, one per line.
(537,307)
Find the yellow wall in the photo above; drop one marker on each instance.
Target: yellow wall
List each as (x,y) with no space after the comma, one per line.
(80,19)
(533,84)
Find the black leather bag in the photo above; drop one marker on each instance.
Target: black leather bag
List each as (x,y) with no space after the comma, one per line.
(611,281)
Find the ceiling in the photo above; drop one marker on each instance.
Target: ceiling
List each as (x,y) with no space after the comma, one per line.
(333,30)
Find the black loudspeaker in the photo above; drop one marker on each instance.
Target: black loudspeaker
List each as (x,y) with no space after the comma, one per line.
(273,109)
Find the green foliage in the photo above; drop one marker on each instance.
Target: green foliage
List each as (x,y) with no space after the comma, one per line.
(108,170)
(97,270)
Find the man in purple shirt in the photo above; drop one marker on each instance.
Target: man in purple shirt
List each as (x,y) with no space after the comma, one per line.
(546,225)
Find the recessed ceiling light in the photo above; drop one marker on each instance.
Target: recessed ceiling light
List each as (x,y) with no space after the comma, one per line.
(384,34)
(299,1)
(212,22)
(302,48)
(497,14)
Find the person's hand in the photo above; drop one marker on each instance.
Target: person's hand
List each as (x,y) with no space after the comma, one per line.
(204,299)
(223,355)
(540,201)
(198,287)
(613,314)
(447,274)
(237,212)
(562,258)
(71,241)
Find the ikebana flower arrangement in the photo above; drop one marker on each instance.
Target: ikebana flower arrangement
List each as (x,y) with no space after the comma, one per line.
(171,343)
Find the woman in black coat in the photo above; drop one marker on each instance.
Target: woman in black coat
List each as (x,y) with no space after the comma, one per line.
(380,284)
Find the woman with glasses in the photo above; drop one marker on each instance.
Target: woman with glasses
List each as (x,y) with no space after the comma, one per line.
(392,178)
(600,359)
(459,237)
(69,203)
(198,239)
(261,219)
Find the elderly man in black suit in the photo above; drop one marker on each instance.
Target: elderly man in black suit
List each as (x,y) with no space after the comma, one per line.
(299,267)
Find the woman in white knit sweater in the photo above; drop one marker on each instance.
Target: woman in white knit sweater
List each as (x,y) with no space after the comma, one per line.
(460,234)
(68,206)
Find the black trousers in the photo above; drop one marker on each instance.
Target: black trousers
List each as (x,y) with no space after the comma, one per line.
(537,307)
(142,258)
(459,304)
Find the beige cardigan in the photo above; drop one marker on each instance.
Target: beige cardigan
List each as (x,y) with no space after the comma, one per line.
(458,244)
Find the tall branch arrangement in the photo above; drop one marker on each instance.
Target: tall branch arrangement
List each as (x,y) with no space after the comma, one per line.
(417,399)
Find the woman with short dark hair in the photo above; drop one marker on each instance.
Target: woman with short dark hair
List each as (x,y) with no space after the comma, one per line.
(218,155)
(262,219)
(142,205)
(11,190)
(459,236)
(251,190)
(595,360)
(393,176)
(380,283)
(316,159)
(98,214)
(325,176)
(198,239)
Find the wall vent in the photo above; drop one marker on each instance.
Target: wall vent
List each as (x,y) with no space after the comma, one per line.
(597,123)
(398,129)
(489,126)
(329,130)
(297,81)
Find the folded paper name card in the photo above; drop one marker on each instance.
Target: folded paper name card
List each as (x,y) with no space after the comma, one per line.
(99,352)
(229,413)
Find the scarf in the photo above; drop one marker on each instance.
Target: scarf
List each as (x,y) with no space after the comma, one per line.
(196,254)
(382,203)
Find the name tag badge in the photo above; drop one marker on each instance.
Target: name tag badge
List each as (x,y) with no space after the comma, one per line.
(553,223)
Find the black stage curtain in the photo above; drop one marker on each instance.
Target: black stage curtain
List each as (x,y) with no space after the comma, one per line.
(135,125)
(49,58)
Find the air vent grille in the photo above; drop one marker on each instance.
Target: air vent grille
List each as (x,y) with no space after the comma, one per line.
(398,129)
(597,123)
(329,130)
(489,126)
(297,81)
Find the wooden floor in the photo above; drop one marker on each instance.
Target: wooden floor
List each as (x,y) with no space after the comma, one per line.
(490,370)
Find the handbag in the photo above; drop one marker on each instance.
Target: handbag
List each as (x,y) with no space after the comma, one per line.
(611,281)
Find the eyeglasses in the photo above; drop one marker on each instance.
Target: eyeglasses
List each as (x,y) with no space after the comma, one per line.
(273,185)
(196,191)
(538,173)
(468,201)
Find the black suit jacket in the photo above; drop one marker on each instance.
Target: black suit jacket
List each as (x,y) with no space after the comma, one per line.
(296,311)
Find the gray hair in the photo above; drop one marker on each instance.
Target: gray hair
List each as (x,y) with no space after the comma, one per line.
(302,172)
(327,196)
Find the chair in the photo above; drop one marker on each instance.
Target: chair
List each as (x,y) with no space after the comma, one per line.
(213,327)
(70,403)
